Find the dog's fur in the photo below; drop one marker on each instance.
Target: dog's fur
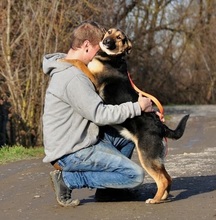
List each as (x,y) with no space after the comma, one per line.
(108,72)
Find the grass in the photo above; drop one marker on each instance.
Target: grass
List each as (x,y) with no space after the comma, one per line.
(16,153)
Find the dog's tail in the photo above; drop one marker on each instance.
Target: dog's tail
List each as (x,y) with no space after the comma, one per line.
(179,131)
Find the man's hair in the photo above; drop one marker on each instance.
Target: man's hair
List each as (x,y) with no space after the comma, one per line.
(87,30)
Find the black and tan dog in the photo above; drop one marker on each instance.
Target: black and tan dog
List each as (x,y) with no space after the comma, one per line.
(108,72)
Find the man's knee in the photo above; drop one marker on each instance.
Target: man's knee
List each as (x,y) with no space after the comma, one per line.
(140,176)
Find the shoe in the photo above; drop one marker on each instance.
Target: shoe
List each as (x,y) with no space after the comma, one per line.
(63,193)
(114,195)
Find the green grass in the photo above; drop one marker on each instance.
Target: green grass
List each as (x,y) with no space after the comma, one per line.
(16,153)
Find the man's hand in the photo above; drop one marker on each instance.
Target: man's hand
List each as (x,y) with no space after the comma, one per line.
(145,103)
(146,106)
(160,116)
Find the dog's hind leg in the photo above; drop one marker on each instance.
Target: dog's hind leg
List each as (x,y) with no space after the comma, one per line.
(156,169)
(163,182)
(166,193)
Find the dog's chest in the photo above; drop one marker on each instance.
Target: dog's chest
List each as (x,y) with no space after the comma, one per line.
(95,66)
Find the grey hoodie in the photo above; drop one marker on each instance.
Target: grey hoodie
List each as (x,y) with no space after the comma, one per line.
(73,111)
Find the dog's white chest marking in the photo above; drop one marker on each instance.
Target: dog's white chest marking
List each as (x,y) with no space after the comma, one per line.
(95,66)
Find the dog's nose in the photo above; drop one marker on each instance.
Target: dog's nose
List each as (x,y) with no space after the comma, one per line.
(109,43)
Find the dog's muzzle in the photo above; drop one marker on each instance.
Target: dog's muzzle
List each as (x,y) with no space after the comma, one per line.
(109,43)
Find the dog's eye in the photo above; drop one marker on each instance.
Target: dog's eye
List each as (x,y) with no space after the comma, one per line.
(109,31)
(119,37)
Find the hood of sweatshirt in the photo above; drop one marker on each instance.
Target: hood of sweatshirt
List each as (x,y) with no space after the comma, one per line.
(51,65)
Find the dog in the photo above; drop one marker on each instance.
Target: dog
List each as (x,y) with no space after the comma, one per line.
(108,72)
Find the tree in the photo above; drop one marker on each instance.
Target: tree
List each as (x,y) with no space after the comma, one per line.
(173,54)
(29,30)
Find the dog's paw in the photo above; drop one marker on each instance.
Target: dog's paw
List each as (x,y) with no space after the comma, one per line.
(151,201)
(165,195)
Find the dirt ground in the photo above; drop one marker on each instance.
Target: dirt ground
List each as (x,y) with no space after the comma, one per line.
(26,192)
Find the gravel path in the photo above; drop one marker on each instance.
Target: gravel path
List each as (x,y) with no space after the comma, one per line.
(26,192)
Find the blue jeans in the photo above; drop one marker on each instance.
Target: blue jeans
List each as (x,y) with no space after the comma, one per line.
(103,165)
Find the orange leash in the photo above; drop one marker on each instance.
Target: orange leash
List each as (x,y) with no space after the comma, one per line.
(157,103)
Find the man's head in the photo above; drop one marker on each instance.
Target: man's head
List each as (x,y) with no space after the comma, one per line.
(85,41)
(87,30)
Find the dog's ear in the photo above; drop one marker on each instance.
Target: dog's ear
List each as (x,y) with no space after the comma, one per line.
(129,46)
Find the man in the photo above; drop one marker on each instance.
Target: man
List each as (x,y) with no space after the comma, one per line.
(85,152)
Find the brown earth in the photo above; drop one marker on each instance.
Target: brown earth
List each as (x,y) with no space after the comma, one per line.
(26,192)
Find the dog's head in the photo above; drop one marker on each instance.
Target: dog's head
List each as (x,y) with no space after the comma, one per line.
(115,42)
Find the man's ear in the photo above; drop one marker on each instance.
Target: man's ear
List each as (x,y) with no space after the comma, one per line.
(86,43)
